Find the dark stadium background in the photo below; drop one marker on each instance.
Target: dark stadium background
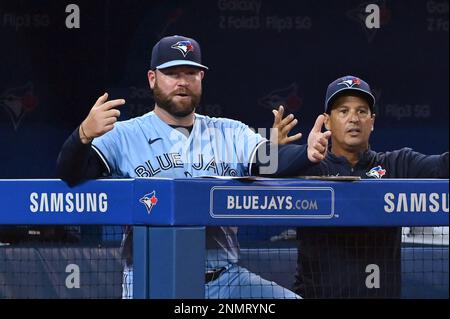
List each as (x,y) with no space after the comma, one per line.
(284,52)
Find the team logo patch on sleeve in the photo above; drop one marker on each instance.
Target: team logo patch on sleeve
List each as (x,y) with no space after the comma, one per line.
(376,172)
(184,47)
(149,200)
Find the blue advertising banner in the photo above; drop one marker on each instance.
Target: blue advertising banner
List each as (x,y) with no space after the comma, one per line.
(52,202)
(208,201)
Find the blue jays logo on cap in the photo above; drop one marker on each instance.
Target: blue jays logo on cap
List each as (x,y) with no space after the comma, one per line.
(166,53)
(350,82)
(345,84)
(184,47)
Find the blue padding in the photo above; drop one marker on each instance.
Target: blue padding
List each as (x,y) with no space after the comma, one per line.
(176,269)
(207,201)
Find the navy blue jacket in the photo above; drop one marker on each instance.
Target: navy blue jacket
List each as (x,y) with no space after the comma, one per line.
(403,163)
(332,260)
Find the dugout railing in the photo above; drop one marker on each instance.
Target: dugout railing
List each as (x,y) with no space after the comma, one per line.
(169,218)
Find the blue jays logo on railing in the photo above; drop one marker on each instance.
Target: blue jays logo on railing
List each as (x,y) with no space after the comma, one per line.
(149,200)
(184,47)
(350,82)
(376,172)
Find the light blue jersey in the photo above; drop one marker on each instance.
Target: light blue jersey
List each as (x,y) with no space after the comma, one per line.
(148,147)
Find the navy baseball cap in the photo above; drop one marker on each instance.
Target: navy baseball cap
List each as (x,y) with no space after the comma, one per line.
(346,84)
(176,50)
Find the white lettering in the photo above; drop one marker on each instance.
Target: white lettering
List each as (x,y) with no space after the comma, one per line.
(79,202)
(230,202)
(191,309)
(103,202)
(60,202)
(56,202)
(416,202)
(34,203)
(43,207)
(255,202)
(272,204)
(289,202)
(388,197)
(402,204)
(248,308)
(434,204)
(305,204)
(69,202)
(247,204)
(280,201)
(445,202)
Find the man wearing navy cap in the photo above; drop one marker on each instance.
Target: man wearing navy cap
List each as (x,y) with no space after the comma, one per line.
(349,109)
(332,262)
(173,141)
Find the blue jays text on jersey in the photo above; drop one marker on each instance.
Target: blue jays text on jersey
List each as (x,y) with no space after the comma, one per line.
(168,161)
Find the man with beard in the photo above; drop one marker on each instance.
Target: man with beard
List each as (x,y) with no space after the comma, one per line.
(173,141)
